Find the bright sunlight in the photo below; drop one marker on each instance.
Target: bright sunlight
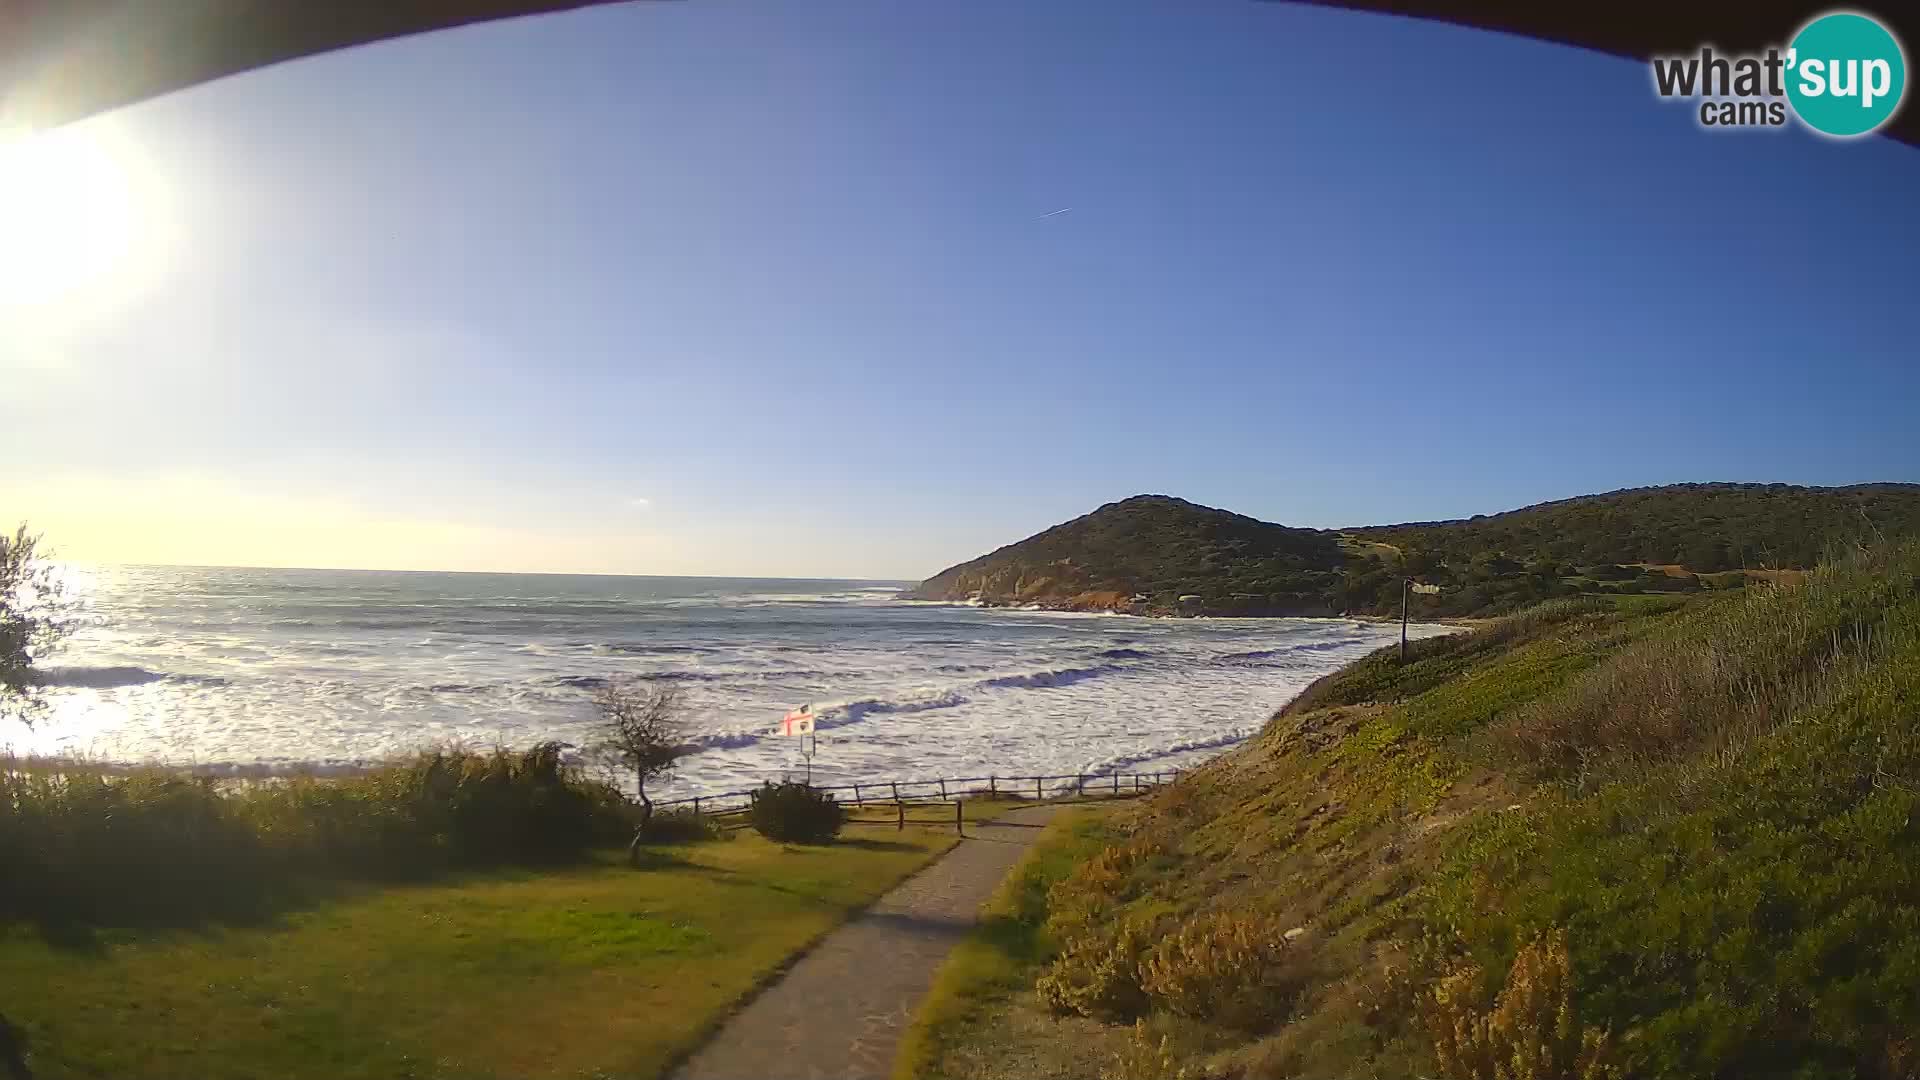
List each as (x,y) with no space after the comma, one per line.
(75,217)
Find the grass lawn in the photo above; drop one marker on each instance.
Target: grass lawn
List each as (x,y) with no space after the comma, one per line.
(587,972)
(1003,953)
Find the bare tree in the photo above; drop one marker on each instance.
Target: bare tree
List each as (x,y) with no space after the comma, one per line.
(35,614)
(640,735)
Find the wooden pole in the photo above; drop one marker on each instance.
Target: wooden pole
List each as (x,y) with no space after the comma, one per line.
(959,821)
(856,794)
(696,806)
(1116,781)
(1404,583)
(901,809)
(896,791)
(943,787)
(1038,792)
(993,785)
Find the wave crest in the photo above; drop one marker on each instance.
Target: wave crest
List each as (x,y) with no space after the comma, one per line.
(97,678)
(832,715)
(1051,677)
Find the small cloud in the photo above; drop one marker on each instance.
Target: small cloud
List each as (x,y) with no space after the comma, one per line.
(639,503)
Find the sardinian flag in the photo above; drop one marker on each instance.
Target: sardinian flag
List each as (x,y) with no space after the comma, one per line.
(798,722)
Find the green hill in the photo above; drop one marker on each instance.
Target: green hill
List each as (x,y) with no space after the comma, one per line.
(1707,527)
(1625,837)
(1146,553)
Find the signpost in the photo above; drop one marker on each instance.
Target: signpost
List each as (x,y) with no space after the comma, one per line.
(800,724)
(1425,590)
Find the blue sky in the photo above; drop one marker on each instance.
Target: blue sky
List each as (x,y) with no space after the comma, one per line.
(767,288)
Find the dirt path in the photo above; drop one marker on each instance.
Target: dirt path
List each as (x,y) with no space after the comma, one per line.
(838,1014)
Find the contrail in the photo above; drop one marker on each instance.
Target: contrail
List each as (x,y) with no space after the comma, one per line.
(1056,213)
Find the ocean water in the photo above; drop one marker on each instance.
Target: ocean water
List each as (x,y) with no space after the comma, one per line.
(266,671)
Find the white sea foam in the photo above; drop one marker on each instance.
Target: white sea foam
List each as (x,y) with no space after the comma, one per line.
(252,672)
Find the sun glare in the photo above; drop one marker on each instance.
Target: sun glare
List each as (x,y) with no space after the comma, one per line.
(72,223)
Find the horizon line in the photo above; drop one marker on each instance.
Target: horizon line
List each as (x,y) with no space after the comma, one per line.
(495,573)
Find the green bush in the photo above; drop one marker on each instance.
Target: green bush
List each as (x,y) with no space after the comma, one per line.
(679,827)
(796,814)
(80,844)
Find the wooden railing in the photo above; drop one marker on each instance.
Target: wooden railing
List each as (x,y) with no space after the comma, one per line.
(956,791)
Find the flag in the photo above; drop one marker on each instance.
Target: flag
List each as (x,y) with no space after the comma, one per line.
(798,722)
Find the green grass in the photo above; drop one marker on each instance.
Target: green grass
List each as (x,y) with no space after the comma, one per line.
(1735,861)
(1714,802)
(596,970)
(1001,954)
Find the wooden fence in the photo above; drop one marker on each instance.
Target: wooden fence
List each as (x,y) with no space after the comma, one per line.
(899,795)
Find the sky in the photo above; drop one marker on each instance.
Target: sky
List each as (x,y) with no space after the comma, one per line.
(761,288)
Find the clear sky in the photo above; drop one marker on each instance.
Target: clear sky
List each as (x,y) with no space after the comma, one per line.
(779,288)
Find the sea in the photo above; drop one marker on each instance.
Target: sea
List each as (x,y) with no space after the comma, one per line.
(252,672)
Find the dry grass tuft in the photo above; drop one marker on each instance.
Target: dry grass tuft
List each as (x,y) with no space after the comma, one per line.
(1531,1032)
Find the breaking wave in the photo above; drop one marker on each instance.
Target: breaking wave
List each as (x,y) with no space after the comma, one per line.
(1155,753)
(111,677)
(833,715)
(1051,677)
(1290,650)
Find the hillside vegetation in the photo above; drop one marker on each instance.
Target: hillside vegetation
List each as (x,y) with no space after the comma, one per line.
(1145,553)
(1153,554)
(1606,837)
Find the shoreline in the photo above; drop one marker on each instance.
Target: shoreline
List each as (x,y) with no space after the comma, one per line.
(1456,622)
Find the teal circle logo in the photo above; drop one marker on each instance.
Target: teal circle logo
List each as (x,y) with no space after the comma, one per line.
(1846,74)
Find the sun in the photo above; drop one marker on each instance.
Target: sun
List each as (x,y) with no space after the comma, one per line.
(71,218)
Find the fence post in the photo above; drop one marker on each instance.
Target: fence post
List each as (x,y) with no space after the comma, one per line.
(1037,795)
(696,806)
(856,794)
(993,785)
(943,787)
(1116,781)
(896,791)
(901,809)
(959,821)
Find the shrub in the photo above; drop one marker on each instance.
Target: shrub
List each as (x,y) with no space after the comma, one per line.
(1228,968)
(1530,1033)
(679,827)
(796,814)
(80,844)
(1099,884)
(1097,973)
(1142,1057)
